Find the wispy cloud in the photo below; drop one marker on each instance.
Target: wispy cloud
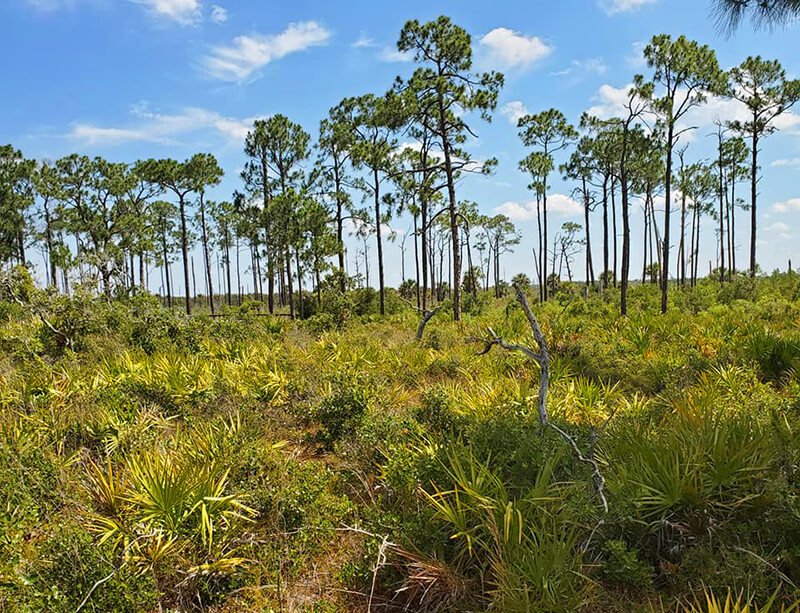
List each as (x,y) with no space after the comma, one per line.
(219,15)
(635,59)
(786,162)
(514,111)
(390,54)
(579,68)
(164,129)
(560,204)
(50,5)
(183,12)
(245,55)
(363,41)
(505,49)
(781,229)
(612,7)
(788,206)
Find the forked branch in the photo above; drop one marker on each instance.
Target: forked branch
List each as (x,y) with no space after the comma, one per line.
(427,315)
(542,358)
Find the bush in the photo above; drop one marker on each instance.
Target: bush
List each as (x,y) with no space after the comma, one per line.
(341,411)
(623,567)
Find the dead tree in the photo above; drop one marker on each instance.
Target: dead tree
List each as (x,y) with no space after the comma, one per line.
(427,315)
(542,358)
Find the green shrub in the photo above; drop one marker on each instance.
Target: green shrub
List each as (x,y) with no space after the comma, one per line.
(623,567)
(340,412)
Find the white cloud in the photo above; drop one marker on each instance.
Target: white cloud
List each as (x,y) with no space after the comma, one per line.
(246,54)
(363,41)
(789,206)
(514,111)
(610,101)
(594,65)
(50,5)
(781,229)
(390,54)
(218,14)
(560,204)
(612,7)
(164,129)
(504,49)
(183,12)
(636,58)
(786,162)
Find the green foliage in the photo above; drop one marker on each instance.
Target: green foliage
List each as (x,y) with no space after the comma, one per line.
(340,412)
(623,567)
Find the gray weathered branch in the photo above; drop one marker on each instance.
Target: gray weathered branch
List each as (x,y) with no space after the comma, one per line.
(542,358)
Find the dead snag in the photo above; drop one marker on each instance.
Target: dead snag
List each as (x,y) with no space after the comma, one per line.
(427,315)
(542,358)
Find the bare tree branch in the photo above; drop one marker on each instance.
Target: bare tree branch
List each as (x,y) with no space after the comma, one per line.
(542,358)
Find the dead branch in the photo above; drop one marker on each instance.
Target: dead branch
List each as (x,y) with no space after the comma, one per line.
(427,315)
(542,358)
(40,313)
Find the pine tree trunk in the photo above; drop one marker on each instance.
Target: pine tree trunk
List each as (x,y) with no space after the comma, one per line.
(667,211)
(424,254)
(614,227)
(589,264)
(185,253)
(753,197)
(416,259)
(206,255)
(451,192)
(379,238)
(605,233)
(288,260)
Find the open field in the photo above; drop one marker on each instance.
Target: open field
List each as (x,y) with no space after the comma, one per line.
(251,463)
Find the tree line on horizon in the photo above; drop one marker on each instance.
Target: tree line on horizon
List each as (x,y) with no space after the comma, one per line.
(106,221)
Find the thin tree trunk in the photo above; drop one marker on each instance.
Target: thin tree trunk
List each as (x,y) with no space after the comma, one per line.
(416,259)
(753,198)
(166,268)
(381,281)
(299,283)
(194,282)
(228,264)
(614,226)
(254,266)
(185,253)
(48,233)
(451,192)
(544,233)
(721,214)
(645,236)
(238,275)
(605,233)
(589,264)
(542,251)
(288,260)
(206,255)
(424,255)
(682,247)
(733,225)
(667,211)
(339,224)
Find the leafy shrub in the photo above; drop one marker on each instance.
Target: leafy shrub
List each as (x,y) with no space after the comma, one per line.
(69,564)
(623,567)
(341,411)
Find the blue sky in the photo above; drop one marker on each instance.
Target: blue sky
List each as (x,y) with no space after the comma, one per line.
(127,79)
